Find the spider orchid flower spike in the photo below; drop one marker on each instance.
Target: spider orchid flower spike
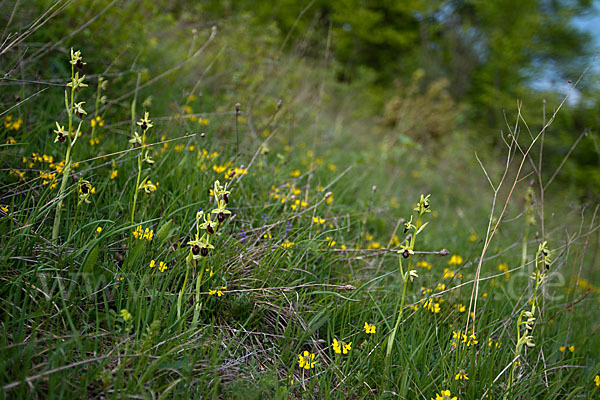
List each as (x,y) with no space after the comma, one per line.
(77,59)
(77,81)
(221,196)
(69,135)
(406,250)
(136,140)
(544,255)
(208,225)
(200,247)
(145,123)
(422,206)
(140,141)
(412,274)
(85,189)
(61,134)
(408,225)
(201,244)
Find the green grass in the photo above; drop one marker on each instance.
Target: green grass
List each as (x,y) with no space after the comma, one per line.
(63,331)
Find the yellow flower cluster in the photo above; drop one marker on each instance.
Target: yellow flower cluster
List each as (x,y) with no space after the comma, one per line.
(217,291)
(306,360)
(97,121)
(370,329)
(424,264)
(448,273)
(341,347)
(444,395)
(503,267)
(12,125)
(460,337)
(570,348)
(147,234)
(462,375)
(162,266)
(432,306)
(287,244)
(235,172)
(455,260)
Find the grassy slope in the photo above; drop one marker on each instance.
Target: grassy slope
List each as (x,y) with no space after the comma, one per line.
(61,307)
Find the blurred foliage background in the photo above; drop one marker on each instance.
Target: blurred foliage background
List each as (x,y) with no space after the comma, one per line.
(423,69)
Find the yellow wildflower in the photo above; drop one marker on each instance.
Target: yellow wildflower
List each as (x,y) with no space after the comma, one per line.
(149,187)
(341,347)
(125,315)
(448,273)
(461,375)
(295,173)
(431,306)
(217,291)
(369,328)
(113,174)
(424,264)
(287,244)
(455,260)
(444,395)
(306,360)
